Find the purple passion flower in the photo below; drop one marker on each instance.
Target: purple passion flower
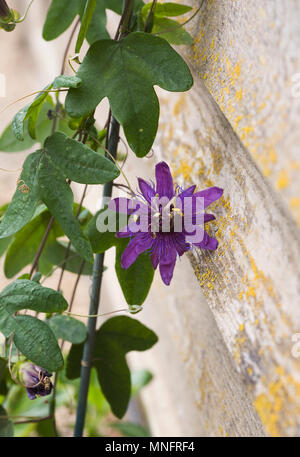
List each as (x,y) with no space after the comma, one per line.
(173,221)
(36,380)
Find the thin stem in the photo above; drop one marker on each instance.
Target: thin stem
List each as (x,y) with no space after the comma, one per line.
(76,285)
(68,47)
(25,14)
(29,420)
(94,316)
(87,357)
(42,245)
(30,95)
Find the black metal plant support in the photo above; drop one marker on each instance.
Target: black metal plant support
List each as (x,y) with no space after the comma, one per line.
(87,358)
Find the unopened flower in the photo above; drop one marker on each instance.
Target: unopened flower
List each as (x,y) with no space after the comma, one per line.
(165,220)
(36,380)
(4,10)
(7,17)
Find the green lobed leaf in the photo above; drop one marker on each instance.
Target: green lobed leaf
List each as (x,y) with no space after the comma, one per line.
(62,13)
(18,122)
(97,27)
(22,250)
(136,281)
(26,242)
(114,339)
(171,31)
(87,16)
(8,141)
(54,191)
(6,425)
(4,244)
(25,199)
(73,363)
(36,341)
(125,72)
(55,253)
(60,16)
(102,241)
(32,337)
(140,379)
(30,112)
(166,9)
(78,162)
(68,328)
(66,81)
(25,294)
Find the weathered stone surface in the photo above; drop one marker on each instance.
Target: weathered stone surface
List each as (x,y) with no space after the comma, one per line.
(247,53)
(238,129)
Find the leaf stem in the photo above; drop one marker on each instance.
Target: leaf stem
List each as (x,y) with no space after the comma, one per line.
(42,245)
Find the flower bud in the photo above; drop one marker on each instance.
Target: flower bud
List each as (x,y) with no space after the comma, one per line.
(36,380)
(5,13)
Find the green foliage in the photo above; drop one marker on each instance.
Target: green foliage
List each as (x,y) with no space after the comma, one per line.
(36,341)
(68,328)
(3,375)
(24,294)
(78,162)
(22,250)
(102,241)
(6,426)
(125,72)
(9,143)
(58,197)
(85,22)
(114,339)
(170,30)
(73,365)
(60,16)
(31,336)
(130,429)
(62,13)
(66,81)
(137,279)
(29,112)
(25,199)
(24,245)
(55,253)
(166,9)
(4,243)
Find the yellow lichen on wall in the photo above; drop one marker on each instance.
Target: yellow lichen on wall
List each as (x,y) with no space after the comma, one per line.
(249,91)
(282,392)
